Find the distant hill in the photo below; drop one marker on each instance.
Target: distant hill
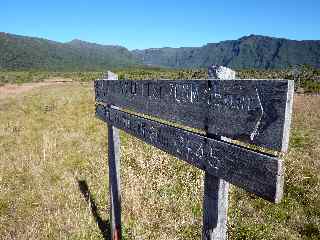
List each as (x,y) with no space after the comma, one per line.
(252,51)
(259,52)
(23,53)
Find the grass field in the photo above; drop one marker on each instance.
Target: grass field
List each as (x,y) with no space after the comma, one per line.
(306,80)
(54,177)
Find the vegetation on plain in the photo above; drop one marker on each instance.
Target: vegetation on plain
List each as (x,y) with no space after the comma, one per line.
(307,79)
(54,173)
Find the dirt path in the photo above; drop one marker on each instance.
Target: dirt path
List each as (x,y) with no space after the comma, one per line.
(11,90)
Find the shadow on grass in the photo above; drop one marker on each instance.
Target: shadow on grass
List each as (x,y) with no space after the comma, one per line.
(103,225)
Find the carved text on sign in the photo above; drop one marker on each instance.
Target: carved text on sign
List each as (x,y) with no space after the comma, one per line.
(246,110)
(235,164)
(186,93)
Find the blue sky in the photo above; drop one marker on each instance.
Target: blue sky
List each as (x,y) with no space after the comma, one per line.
(145,24)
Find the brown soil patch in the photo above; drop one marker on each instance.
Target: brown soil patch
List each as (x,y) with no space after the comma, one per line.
(10,90)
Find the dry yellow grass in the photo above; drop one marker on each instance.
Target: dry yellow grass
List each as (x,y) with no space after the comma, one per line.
(54,177)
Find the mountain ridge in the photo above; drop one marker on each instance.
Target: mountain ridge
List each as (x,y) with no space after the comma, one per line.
(252,51)
(25,53)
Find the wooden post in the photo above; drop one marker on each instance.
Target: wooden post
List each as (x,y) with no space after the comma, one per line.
(114,175)
(216,191)
(215,208)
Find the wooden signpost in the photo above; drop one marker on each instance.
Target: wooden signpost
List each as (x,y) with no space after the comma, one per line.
(254,111)
(114,174)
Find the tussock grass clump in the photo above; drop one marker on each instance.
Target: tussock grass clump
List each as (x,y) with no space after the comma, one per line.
(54,177)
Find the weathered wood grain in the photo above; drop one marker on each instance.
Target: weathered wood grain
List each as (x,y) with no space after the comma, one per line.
(114,174)
(114,181)
(258,173)
(215,208)
(255,111)
(216,190)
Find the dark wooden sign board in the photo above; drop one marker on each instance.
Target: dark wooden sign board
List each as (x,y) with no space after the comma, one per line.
(255,111)
(257,173)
